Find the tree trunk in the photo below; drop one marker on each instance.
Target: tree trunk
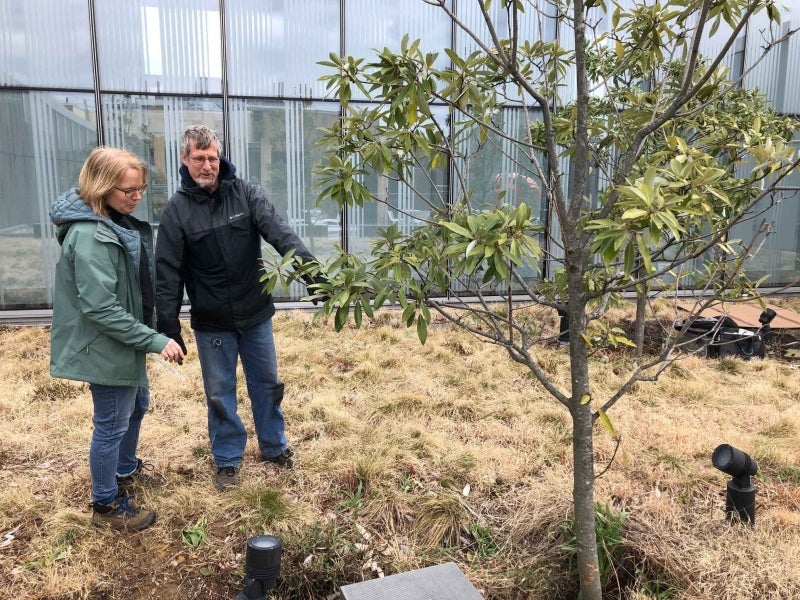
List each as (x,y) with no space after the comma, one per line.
(583,458)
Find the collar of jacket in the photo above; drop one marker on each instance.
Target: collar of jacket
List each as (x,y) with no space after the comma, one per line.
(227,170)
(69,207)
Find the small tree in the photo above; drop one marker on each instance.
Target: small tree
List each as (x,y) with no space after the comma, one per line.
(666,155)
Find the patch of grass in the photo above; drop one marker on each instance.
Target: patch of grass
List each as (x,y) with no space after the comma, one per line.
(440,520)
(60,553)
(196,534)
(789,474)
(384,458)
(353,500)
(608,524)
(730,365)
(666,459)
(656,589)
(269,504)
(678,371)
(322,561)
(457,467)
(486,546)
(56,390)
(783,428)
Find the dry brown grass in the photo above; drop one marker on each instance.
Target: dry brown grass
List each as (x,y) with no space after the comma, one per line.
(409,456)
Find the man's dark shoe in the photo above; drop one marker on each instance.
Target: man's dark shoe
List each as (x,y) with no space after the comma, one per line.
(122,515)
(284,459)
(226,478)
(143,476)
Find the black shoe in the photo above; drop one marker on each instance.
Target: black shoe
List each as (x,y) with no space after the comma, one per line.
(144,475)
(226,478)
(284,459)
(122,515)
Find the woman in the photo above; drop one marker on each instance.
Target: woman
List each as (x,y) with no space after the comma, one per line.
(102,321)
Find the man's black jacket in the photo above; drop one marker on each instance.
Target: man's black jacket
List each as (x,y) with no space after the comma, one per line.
(212,245)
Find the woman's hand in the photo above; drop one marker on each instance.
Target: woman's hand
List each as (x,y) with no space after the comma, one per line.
(172,352)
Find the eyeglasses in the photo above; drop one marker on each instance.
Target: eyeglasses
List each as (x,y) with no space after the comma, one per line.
(201,160)
(129,194)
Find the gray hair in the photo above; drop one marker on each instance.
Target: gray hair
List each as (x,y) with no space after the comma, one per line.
(202,136)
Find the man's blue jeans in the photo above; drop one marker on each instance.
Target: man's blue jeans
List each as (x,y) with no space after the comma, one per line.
(118,414)
(219,352)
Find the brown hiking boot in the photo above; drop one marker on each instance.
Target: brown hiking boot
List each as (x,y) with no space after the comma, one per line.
(122,515)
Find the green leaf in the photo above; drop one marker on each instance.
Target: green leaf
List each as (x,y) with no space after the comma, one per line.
(455,228)
(357,313)
(408,314)
(340,319)
(606,422)
(634,213)
(644,252)
(630,259)
(422,329)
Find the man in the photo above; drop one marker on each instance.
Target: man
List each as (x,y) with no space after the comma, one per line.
(209,240)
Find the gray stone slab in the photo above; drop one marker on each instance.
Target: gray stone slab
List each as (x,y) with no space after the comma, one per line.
(440,582)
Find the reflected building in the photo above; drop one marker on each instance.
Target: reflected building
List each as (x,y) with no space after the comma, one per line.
(75,74)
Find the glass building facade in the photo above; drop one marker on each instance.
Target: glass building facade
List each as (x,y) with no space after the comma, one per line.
(75,74)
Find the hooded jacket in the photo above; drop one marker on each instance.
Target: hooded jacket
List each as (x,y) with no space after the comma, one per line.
(211,244)
(97,335)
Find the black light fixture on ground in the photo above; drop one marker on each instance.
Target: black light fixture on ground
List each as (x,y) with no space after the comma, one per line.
(740,500)
(765,318)
(262,565)
(563,327)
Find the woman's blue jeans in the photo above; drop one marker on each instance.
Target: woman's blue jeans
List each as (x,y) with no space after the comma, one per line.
(118,414)
(219,352)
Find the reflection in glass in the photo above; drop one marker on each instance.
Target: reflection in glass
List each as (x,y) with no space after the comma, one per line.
(501,170)
(536,23)
(146,46)
(45,43)
(161,68)
(46,138)
(274,146)
(150,127)
(371,25)
(288,36)
(776,256)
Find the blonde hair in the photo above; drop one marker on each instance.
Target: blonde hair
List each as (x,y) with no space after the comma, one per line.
(102,171)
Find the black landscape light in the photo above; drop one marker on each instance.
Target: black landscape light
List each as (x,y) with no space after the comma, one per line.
(563,327)
(740,500)
(262,564)
(765,318)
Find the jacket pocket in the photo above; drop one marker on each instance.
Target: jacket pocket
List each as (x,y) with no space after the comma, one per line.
(204,252)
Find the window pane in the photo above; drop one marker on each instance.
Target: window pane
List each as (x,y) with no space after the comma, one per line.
(766,73)
(274,145)
(502,170)
(274,46)
(536,23)
(372,25)
(776,255)
(150,127)
(162,46)
(45,43)
(46,138)
(405,205)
